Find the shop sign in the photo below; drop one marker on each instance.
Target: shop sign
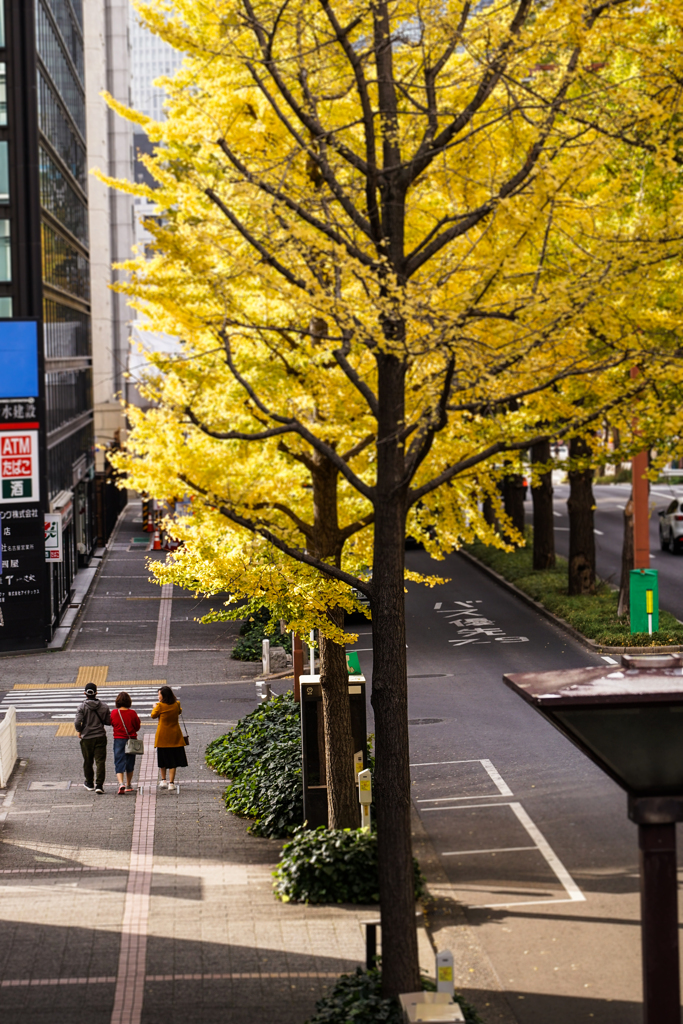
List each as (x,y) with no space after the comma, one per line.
(19,469)
(22,578)
(54,551)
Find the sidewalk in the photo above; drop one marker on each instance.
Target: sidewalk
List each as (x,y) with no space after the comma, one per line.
(153,908)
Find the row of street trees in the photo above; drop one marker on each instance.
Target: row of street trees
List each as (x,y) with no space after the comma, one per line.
(401,243)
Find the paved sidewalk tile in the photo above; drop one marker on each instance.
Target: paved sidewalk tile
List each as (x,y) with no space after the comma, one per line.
(219,947)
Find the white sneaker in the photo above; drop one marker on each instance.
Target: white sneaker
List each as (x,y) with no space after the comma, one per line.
(162,784)
(171,785)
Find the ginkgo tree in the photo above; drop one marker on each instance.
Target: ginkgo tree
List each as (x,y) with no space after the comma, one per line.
(400,243)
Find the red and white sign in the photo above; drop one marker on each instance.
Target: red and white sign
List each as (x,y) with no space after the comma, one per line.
(19,469)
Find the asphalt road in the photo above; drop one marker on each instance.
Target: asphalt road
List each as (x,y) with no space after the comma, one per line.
(503,795)
(609,531)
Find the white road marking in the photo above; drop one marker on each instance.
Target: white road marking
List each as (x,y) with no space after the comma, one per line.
(558,514)
(599,533)
(496,778)
(437,605)
(498,849)
(63,703)
(545,849)
(164,625)
(445,799)
(428,764)
(610,661)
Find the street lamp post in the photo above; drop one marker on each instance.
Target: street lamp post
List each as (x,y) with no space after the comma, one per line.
(628,719)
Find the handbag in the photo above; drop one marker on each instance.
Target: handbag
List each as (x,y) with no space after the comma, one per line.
(186,738)
(133,746)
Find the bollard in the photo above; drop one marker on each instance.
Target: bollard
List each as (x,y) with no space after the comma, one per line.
(263,692)
(364,797)
(265,656)
(371,943)
(445,981)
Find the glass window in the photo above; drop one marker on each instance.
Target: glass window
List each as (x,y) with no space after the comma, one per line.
(60,199)
(672,508)
(63,266)
(2,25)
(5,306)
(4,172)
(5,253)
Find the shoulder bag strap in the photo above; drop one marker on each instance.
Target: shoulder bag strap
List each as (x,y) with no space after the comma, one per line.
(123,722)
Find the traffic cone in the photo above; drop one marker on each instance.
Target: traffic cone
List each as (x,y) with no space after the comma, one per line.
(156,546)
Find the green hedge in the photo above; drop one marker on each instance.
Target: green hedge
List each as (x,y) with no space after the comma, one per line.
(253,631)
(593,615)
(262,758)
(332,866)
(357,999)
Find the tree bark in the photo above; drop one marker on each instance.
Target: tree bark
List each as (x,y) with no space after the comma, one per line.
(627,553)
(488,512)
(581,531)
(513,500)
(342,802)
(544,521)
(400,965)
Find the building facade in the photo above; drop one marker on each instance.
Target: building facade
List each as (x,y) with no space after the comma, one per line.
(47,302)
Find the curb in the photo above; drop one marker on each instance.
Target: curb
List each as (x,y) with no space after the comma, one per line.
(592,646)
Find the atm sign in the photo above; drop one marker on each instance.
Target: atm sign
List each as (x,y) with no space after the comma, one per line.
(19,466)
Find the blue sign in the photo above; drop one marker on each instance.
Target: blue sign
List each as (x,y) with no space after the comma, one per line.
(18,358)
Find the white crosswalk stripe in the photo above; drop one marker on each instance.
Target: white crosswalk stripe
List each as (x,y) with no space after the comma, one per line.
(63,703)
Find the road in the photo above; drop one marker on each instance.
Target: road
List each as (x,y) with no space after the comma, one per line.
(504,798)
(609,529)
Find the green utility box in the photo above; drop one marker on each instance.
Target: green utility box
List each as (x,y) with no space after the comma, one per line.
(353,664)
(644,601)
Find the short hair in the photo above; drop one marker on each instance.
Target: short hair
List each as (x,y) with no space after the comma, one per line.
(167,695)
(90,688)
(123,700)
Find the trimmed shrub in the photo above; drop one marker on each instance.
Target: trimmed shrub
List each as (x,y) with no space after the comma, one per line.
(325,865)
(593,615)
(357,999)
(262,758)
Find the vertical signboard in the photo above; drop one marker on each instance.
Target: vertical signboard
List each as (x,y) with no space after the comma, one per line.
(53,537)
(23,579)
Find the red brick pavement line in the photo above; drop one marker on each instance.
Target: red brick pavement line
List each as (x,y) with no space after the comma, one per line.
(103,980)
(130,977)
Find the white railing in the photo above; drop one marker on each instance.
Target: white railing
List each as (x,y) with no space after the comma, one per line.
(8,745)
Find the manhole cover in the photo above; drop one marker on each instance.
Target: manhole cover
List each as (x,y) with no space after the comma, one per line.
(48,785)
(424,721)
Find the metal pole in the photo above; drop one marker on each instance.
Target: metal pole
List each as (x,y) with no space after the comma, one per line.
(297,663)
(659,924)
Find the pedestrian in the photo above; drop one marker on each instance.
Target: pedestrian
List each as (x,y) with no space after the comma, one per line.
(169,740)
(91,718)
(125,723)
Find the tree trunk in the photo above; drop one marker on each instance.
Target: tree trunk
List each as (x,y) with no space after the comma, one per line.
(342,801)
(400,965)
(488,512)
(581,532)
(513,500)
(627,552)
(326,542)
(544,523)
(616,441)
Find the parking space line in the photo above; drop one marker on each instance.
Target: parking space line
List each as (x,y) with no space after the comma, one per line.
(497,849)
(438,799)
(467,807)
(545,849)
(496,778)
(428,764)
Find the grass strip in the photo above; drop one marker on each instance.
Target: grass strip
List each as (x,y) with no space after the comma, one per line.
(592,615)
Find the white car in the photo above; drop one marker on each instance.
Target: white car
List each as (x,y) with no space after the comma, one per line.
(671,527)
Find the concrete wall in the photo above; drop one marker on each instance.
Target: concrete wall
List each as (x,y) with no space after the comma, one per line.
(112,227)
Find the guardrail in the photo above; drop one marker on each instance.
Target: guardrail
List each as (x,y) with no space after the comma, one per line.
(8,746)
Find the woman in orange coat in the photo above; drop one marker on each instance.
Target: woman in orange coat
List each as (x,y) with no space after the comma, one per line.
(169,739)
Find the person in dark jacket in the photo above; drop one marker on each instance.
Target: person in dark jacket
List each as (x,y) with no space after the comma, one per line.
(91,718)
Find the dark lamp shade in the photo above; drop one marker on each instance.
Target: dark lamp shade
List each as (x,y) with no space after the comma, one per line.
(628,719)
